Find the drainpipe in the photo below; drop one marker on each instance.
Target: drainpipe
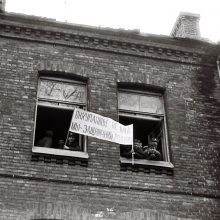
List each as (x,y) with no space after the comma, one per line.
(218,65)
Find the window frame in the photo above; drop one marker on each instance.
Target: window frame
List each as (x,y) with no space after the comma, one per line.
(150,116)
(61,105)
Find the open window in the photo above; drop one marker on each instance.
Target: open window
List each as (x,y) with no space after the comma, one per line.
(147,114)
(57,98)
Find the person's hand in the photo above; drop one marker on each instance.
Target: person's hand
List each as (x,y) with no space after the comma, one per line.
(66,148)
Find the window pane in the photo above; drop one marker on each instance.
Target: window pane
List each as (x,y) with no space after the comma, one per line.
(60,91)
(50,90)
(128,101)
(141,103)
(151,104)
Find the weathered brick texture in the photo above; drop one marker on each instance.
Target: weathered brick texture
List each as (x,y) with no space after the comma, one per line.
(185,69)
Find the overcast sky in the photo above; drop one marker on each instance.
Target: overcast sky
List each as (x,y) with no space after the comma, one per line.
(149,16)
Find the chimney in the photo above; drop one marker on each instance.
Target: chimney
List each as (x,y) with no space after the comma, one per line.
(2,5)
(186,26)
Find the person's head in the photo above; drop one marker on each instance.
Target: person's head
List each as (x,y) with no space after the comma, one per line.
(72,137)
(154,143)
(49,133)
(61,142)
(137,142)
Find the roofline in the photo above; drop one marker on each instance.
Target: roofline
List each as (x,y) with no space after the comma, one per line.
(132,33)
(50,31)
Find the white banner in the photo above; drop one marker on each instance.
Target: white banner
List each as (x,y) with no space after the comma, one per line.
(94,125)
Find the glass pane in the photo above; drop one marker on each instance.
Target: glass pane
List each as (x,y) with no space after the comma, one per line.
(74,93)
(60,91)
(141,103)
(151,104)
(50,90)
(128,101)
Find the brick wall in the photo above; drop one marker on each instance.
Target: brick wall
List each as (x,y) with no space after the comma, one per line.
(31,199)
(33,190)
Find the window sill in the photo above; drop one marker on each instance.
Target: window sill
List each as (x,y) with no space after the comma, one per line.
(59,156)
(147,166)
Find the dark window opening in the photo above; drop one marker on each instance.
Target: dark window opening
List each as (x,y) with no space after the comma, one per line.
(52,126)
(147,138)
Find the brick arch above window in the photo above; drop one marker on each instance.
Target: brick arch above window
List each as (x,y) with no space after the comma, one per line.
(63,69)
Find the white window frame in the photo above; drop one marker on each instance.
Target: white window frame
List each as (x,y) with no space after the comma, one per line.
(62,106)
(148,116)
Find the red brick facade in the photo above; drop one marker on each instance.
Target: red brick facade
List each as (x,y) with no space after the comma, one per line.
(50,188)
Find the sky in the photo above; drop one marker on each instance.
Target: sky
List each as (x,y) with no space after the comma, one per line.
(149,16)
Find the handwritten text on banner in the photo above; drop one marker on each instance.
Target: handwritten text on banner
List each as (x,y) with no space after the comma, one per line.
(94,125)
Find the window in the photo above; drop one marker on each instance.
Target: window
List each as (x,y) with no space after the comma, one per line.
(146,112)
(56,101)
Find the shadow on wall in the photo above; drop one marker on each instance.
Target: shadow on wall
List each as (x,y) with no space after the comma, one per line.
(72,211)
(136,215)
(111,214)
(207,84)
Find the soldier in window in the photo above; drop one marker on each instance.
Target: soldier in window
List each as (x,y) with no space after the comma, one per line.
(47,140)
(126,151)
(72,142)
(151,151)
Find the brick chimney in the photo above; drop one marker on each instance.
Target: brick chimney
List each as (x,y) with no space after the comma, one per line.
(187,26)
(2,5)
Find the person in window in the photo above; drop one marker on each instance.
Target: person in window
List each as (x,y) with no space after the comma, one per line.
(47,140)
(151,151)
(138,149)
(61,144)
(72,142)
(126,151)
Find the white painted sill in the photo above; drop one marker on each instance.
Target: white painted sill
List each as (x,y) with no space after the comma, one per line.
(60,152)
(142,162)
